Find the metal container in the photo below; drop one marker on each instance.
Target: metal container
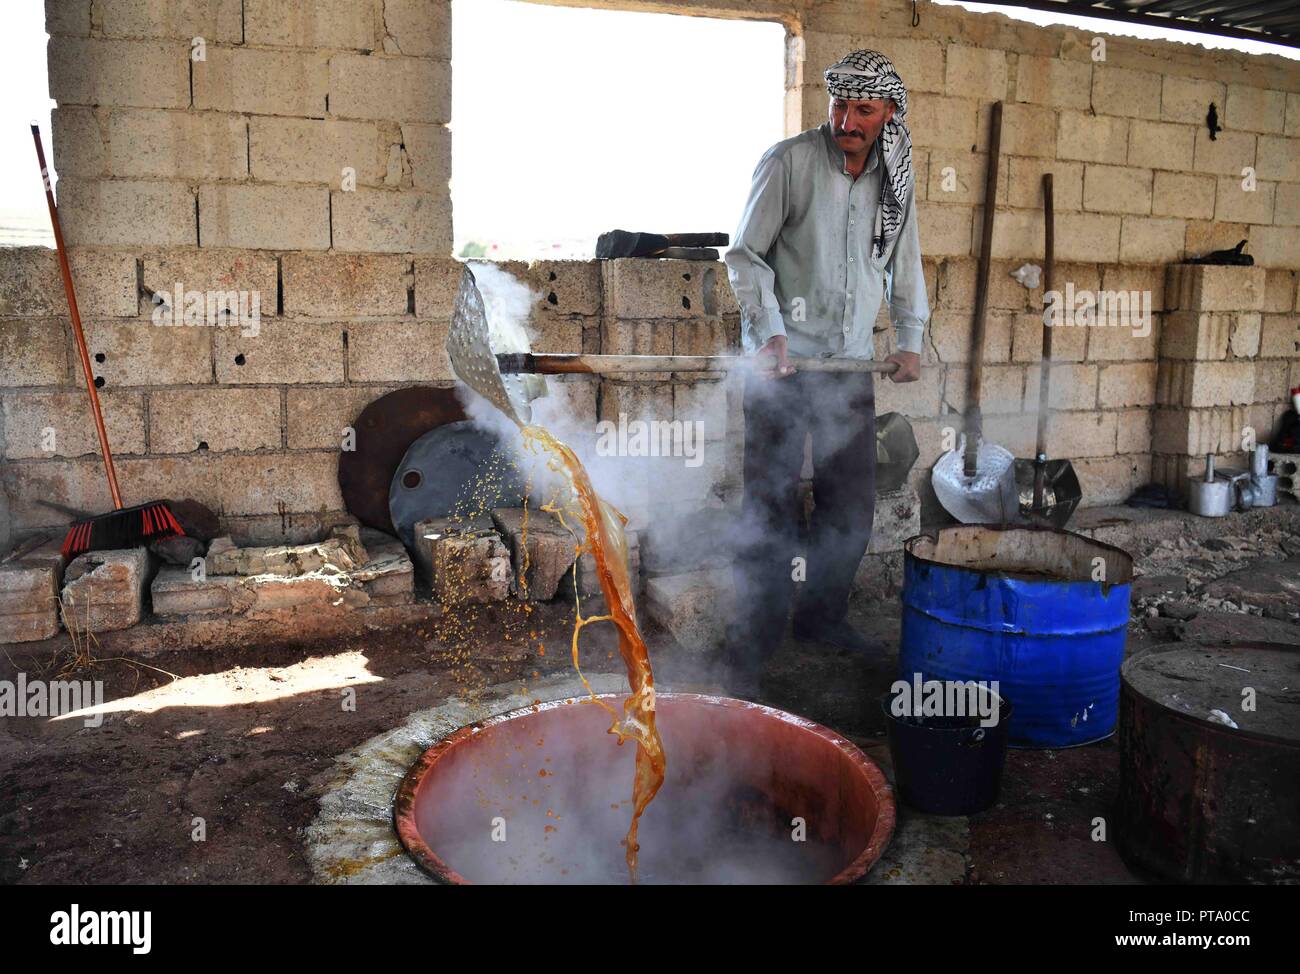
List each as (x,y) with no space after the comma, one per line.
(1201,800)
(1043,612)
(541,795)
(1211,495)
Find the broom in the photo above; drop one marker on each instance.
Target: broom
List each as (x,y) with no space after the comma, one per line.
(123,527)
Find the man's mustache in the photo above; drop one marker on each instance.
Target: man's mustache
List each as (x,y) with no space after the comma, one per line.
(841,134)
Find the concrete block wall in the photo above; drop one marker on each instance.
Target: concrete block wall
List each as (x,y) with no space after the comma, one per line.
(253,124)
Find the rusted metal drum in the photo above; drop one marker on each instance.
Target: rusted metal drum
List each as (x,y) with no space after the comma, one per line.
(1199,800)
(1043,612)
(542,795)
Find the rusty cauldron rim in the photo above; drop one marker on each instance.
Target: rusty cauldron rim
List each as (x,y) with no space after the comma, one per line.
(429,861)
(932,534)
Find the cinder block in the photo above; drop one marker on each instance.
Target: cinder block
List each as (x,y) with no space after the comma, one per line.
(1130,339)
(1279,290)
(1203,384)
(104,590)
(344,285)
(1244,338)
(1276,246)
(1117,189)
(951,334)
(1068,342)
(33,353)
(216,419)
(29,595)
(541,549)
(175,592)
(139,353)
(464,560)
(67,17)
(209,270)
(418,28)
(1084,434)
(555,335)
(1191,335)
(1124,91)
(1073,386)
(178,145)
(1209,287)
(1293,113)
(1204,236)
(315,150)
(967,176)
(257,217)
(100,71)
(1109,480)
(1181,194)
(318,417)
(59,424)
(706,336)
(262,82)
(1054,82)
(1255,109)
(428,147)
(437,279)
(1188,99)
(1091,237)
(283,351)
(1226,154)
(31,285)
(1161,145)
(126,212)
(639,287)
(396,88)
(703,402)
(1152,240)
(1092,138)
(946,230)
(398,351)
(942,122)
(1026,183)
(1234,203)
(1287,210)
(216,21)
(260,482)
(1279,336)
(386,221)
(1125,385)
(1271,387)
(574,286)
(321,24)
(1133,431)
(695,607)
(1027,130)
(1279,158)
(636,400)
(78,142)
(976,72)
(1196,432)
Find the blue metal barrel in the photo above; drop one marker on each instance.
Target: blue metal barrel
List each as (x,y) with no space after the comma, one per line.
(1043,612)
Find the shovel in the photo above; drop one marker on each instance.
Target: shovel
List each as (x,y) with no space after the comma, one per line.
(976,482)
(497,363)
(1048,489)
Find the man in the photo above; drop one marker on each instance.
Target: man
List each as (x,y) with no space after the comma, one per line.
(829,231)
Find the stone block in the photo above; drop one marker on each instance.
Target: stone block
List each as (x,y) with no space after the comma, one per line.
(1207,287)
(1152,241)
(398,351)
(388,576)
(1087,238)
(104,590)
(264,217)
(396,88)
(942,122)
(1235,204)
(318,417)
(418,28)
(1188,99)
(1027,130)
(176,592)
(346,285)
(139,353)
(694,607)
(1161,145)
(1092,138)
(1124,91)
(1117,189)
(1279,336)
(1204,384)
(1226,154)
(314,150)
(1279,158)
(31,285)
(946,230)
(644,287)
(119,73)
(1184,195)
(58,424)
(108,213)
(463,559)
(1052,81)
(1130,384)
(178,145)
(1082,434)
(976,72)
(1026,183)
(218,21)
(215,419)
(78,143)
(339,553)
(261,82)
(542,551)
(1255,109)
(388,221)
(29,595)
(428,152)
(320,24)
(283,351)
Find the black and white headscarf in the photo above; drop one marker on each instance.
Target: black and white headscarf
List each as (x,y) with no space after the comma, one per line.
(869,74)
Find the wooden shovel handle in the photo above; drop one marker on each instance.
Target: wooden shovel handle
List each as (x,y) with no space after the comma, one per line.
(530,363)
(86,370)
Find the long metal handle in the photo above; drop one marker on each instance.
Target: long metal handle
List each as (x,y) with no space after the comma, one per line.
(974,420)
(86,370)
(530,363)
(1045,366)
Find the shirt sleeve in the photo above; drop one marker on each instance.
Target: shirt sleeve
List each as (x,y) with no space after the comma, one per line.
(752,279)
(909,308)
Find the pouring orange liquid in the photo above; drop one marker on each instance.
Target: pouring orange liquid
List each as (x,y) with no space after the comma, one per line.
(607,543)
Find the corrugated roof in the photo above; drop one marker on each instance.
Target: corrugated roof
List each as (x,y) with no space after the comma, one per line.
(1275,21)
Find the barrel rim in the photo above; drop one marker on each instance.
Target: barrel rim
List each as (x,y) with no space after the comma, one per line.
(932,534)
(431,863)
(1201,724)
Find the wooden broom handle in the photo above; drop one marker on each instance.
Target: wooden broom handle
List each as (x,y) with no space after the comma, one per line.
(76,323)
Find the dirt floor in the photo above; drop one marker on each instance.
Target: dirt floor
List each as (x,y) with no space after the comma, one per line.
(244,737)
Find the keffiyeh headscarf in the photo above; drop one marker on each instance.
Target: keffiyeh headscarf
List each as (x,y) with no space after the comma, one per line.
(869,74)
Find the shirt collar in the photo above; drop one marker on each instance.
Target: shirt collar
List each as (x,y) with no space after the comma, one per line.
(836,154)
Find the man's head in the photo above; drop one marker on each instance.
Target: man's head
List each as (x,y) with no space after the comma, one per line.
(865,94)
(856,122)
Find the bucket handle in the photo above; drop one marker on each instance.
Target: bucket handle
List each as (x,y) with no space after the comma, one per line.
(975,737)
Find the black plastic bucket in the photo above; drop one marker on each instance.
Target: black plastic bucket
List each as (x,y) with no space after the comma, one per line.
(947,765)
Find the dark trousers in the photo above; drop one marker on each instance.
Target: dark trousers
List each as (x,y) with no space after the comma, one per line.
(840,412)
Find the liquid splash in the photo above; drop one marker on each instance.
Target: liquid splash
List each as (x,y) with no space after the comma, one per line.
(606,541)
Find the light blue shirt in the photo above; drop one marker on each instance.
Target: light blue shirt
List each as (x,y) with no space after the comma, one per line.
(802,264)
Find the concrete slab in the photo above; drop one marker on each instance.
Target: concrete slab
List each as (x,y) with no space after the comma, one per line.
(104,590)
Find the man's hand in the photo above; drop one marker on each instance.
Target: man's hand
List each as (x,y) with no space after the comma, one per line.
(779,366)
(909,367)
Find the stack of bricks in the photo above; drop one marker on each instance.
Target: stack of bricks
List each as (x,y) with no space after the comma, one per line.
(1223,376)
(266,124)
